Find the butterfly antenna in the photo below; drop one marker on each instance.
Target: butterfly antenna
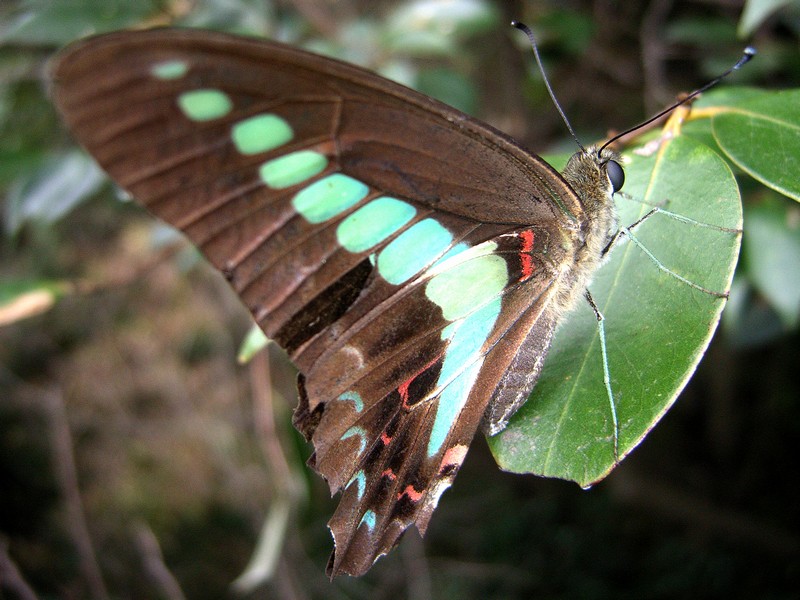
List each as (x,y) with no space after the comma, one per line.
(748,53)
(527,31)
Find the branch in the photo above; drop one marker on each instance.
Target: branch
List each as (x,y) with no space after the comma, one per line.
(66,476)
(10,577)
(154,566)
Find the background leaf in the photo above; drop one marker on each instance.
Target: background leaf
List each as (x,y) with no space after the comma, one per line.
(762,136)
(772,253)
(45,22)
(756,12)
(710,103)
(53,190)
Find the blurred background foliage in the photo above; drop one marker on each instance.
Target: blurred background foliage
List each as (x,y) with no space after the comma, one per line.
(137,460)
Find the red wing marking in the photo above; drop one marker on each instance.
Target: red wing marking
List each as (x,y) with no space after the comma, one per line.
(412,494)
(526,260)
(453,457)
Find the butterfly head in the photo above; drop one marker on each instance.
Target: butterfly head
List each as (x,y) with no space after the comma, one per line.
(595,174)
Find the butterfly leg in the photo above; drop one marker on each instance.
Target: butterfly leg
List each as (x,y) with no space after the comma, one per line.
(619,232)
(628,231)
(668,271)
(606,375)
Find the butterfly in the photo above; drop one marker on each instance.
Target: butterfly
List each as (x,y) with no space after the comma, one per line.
(412,261)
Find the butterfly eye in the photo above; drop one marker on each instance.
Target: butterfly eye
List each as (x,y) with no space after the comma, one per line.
(615,175)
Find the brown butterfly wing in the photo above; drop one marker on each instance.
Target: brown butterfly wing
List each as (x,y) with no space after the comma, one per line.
(349,329)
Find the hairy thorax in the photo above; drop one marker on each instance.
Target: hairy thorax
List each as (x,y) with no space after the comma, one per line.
(586,172)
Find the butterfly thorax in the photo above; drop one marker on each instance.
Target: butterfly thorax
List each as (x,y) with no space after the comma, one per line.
(586,174)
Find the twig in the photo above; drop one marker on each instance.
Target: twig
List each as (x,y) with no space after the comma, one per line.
(264,416)
(66,475)
(10,577)
(287,488)
(653,51)
(154,566)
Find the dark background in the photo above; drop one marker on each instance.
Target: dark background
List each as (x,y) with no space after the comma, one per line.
(122,407)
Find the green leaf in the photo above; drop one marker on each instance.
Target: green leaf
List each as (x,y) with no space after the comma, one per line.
(710,103)
(748,321)
(24,298)
(53,190)
(562,26)
(252,344)
(772,255)
(421,43)
(450,87)
(657,327)
(38,22)
(424,25)
(756,12)
(701,31)
(762,136)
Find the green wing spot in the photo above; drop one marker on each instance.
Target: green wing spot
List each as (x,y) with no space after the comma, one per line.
(292,169)
(373,223)
(368,519)
(204,105)
(355,398)
(468,285)
(170,69)
(360,433)
(261,133)
(361,479)
(469,295)
(413,250)
(457,249)
(462,364)
(328,197)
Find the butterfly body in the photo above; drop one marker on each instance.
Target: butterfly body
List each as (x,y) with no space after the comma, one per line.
(412,261)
